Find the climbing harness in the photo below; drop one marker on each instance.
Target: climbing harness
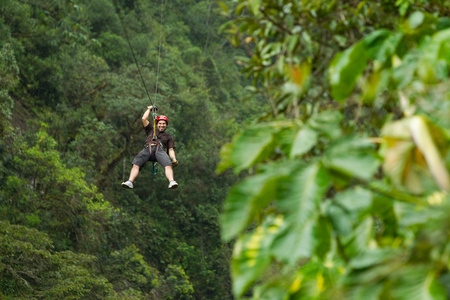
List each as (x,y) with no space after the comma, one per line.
(153,149)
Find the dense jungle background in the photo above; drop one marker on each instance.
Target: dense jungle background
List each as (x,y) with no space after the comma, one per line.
(71,108)
(312,137)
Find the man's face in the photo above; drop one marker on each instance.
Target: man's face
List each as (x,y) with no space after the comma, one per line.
(161,125)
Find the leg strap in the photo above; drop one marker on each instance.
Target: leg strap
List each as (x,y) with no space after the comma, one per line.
(153,149)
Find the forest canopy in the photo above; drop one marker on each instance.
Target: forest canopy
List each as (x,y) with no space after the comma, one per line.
(71,102)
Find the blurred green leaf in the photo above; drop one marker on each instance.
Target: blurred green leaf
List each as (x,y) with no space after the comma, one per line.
(376,41)
(387,49)
(327,122)
(420,23)
(299,197)
(355,200)
(252,146)
(285,137)
(251,256)
(239,8)
(341,220)
(248,197)
(224,7)
(366,292)
(372,257)
(417,283)
(409,149)
(323,235)
(386,219)
(435,60)
(423,139)
(345,68)
(295,240)
(268,292)
(377,82)
(300,194)
(352,156)
(357,242)
(254,5)
(225,158)
(416,19)
(409,216)
(305,139)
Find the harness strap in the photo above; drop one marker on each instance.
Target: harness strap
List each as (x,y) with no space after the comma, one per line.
(153,157)
(154,121)
(161,145)
(154,129)
(153,153)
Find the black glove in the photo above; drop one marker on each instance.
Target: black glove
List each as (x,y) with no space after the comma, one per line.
(174,163)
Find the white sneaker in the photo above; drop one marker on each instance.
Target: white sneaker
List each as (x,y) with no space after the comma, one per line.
(127,184)
(173,184)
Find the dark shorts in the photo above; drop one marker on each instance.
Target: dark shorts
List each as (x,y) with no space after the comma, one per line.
(161,157)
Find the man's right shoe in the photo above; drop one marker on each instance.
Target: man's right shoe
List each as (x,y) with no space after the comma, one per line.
(173,184)
(127,184)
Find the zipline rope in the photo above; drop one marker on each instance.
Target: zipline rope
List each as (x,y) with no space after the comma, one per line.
(134,56)
(159,50)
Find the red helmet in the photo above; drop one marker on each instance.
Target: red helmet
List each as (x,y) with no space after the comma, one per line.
(164,118)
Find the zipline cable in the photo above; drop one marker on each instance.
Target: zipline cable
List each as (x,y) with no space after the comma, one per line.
(116,4)
(159,49)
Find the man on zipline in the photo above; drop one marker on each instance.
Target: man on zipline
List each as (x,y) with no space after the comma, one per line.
(155,150)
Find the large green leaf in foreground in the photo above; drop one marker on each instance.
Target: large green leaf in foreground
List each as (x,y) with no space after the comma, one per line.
(252,146)
(299,199)
(245,200)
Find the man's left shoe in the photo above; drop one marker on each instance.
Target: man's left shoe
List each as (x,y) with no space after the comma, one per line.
(173,184)
(127,184)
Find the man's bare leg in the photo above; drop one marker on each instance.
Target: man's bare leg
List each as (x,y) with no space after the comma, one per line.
(169,173)
(134,173)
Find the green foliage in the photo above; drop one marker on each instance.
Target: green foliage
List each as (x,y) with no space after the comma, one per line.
(8,75)
(9,69)
(426,63)
(52,198)
(80,75)
(126,269)
(327,212)
(114,49)
(192,55)
(176,284)
(31,270)
(101,16)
